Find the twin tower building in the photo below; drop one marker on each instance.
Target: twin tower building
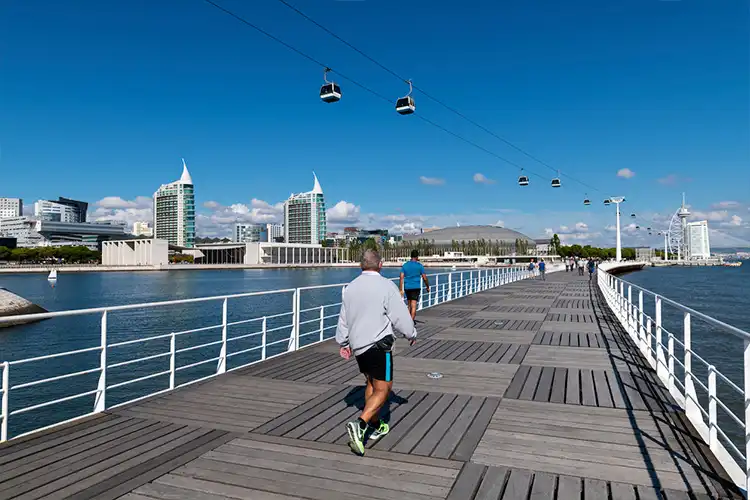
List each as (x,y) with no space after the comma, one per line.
(174,213)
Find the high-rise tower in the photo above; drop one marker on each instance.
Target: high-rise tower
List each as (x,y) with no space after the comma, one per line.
(683,213)
(174,211)
(305,216)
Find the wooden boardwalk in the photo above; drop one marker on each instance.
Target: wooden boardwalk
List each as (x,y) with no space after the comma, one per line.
(542,396)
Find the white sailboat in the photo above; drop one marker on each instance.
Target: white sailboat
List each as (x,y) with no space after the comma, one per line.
(52,275)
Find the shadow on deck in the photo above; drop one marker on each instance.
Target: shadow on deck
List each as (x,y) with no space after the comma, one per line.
(543,395)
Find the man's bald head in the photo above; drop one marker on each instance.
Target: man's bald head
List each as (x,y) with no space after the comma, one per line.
(371,261)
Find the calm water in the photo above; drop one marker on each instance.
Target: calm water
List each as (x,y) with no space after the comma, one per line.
(89,290)
(718,292)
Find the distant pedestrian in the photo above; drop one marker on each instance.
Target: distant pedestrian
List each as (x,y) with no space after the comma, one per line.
(371,310)
(542,269)
(567,266)
(532,267)
(592,266)
(410,283)
(580,267)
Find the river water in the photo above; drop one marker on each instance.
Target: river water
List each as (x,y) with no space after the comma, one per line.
(716,291)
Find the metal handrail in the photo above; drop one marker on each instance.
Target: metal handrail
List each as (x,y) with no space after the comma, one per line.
(645,330)
(443,288)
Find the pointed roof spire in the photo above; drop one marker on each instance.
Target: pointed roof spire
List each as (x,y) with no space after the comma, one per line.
(185,178)
(316,188)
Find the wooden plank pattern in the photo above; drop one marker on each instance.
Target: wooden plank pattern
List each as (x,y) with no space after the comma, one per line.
(543,396)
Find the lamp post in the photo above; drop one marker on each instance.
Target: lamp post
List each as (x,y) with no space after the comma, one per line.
(617,200)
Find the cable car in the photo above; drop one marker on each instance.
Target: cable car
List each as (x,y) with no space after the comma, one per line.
(648,229)
(607,202)
(649,233)
(632,215)
(659,234)
(637,227)
(523,180)
(556,180)
(586,202)
(329,92)
(405,105)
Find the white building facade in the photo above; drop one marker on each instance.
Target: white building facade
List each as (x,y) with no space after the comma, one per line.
(698,246)
(305,216)
(62,210)
(23,229)
(141,228)
(174,211)
(11,207)
(274,231)
(135,253)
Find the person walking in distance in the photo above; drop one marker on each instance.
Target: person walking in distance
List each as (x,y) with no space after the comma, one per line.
(542,269)
(412,274)
(372,310)
(591,266)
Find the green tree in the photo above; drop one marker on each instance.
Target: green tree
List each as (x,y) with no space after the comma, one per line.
(555,243)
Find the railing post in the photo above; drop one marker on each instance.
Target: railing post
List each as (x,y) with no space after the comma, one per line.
(100,402)
(661,362)
(322,315)
(692,410)
(172,360)
(264,328)
(641,332)
(450,286)
(294,337)
(437,288)
(221,367)
(631,328)
(649,338)
(746,387)
(4,407)
(670,363)
(712,416)
(421,294)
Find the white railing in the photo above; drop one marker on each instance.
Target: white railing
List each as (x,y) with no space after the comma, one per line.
(673,357)
(122,359)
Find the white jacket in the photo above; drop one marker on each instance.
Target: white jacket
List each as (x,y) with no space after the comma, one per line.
(371,309)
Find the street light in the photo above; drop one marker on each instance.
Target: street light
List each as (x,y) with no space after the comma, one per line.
(617,200)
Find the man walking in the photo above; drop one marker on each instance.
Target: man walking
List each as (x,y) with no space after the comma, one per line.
(412,274)
(542,268)
(371,309)
(592,266)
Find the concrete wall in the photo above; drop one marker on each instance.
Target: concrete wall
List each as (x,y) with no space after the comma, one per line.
(135,252)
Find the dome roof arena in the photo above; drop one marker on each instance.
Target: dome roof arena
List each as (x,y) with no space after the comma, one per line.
(469,233)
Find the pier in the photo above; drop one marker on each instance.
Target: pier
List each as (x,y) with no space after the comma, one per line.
(537,389)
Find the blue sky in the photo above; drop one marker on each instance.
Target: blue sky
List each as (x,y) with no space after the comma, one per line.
(100,100)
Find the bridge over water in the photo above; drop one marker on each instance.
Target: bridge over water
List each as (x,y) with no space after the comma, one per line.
(543,394)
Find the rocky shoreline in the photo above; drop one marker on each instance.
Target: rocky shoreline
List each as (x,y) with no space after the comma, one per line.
(14,305)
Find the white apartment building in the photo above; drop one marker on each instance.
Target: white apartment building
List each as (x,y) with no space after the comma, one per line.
(174,211)
(698,246)
(141,228)
(274,231)
(305,216)
(11,207)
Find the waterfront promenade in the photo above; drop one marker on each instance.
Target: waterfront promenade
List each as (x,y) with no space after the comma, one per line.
(542,395)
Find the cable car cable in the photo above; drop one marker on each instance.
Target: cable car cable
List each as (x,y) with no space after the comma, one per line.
(431,97)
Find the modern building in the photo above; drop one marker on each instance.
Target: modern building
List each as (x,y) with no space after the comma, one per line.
(269,253)
(249,233)
(174,211)
(23,229)
(151,252)
(89,234)
(142,229)
(11,207)
(697,242)
(275,232)
(644,254)
(62,210)
(305,216)
(543,246)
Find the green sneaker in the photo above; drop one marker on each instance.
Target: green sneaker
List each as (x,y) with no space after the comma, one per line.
(356,438)
(381,431)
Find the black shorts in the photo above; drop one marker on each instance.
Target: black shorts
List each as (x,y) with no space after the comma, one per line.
(412,293)
(376,364)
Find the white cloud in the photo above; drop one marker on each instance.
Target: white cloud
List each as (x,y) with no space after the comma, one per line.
(343,213)
(431,181)
(115,202)
(563,229)
(500,223)
(625,173)
(673,179)
(115,208)
(481,179)
(211,204)
(610,228)
(711,215)
(582,227)
(735,220)
(548,231)
(726,204)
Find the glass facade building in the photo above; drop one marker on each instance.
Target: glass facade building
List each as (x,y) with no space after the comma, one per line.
(174,211)
(305,216)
